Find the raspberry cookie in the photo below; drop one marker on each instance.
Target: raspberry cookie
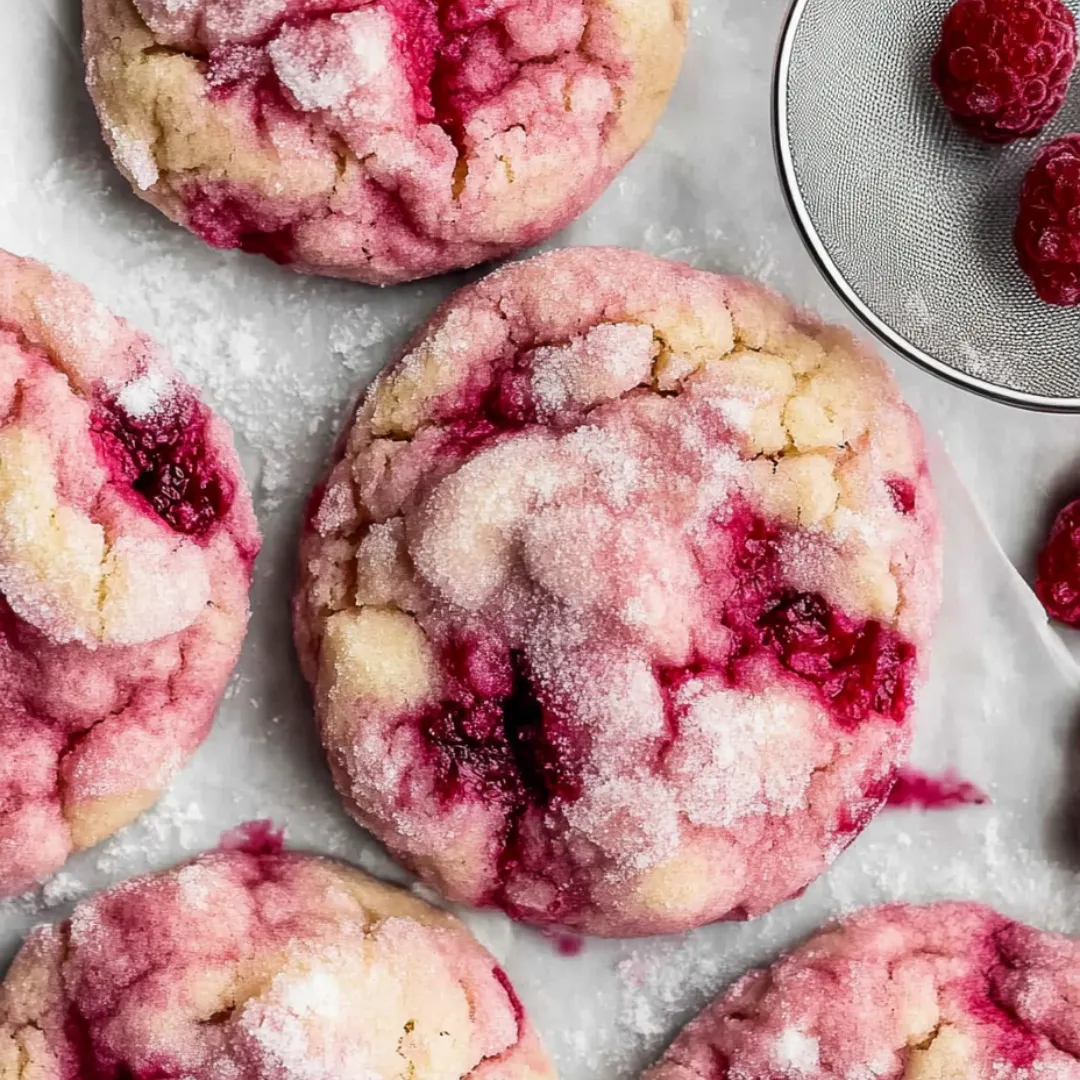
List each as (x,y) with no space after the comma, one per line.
(379,140)
(261,967)
(126,543)
(617,594)
(944,992)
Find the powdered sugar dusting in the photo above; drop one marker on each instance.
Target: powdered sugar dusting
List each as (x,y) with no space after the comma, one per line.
(797,1052)
(727,762)
(324,65)
(61,888)
(142,396)
(170,825)
(135,156)
(605,363)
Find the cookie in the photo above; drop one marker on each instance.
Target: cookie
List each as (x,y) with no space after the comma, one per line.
(949,991)
(381,141)
(241,966)
(617,595)
(127,538)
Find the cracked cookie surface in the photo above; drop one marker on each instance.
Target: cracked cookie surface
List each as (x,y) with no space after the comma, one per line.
(126,543)
(380,140)
(617,594)
(245,966)
(949,991)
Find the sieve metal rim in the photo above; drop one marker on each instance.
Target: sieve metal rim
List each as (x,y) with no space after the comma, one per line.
(789,183)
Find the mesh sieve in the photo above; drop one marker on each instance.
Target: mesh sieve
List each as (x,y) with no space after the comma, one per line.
(909,218)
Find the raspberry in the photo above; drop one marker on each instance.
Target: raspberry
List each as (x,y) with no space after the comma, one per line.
(860,668)
(164,458)
(1003,66)
(492,734)
(1048,227)
(902,492)
(1057,582)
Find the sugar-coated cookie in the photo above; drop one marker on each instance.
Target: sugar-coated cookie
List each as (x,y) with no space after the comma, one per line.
(127,538)
(380,140)
(243,966)
(617,594)
(949,991)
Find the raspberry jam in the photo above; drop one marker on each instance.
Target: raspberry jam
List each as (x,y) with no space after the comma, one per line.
(163,456)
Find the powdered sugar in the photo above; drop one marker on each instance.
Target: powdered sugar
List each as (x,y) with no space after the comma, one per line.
(605,363)
(144,395)
(134,155)
(324,65)
(61,888)
(301,1026)
(170,826)
(796,1052)
(743,754)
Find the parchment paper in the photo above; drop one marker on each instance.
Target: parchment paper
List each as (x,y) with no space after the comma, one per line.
(283,356)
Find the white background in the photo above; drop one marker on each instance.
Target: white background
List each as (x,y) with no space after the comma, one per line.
(282,357)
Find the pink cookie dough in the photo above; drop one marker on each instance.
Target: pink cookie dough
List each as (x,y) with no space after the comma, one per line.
(241,966)
(379,140)
(950,991)
(617,594)
(126,543)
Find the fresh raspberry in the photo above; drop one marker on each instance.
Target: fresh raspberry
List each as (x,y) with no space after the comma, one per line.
(1057,582)
(1048,226)
(1003,66)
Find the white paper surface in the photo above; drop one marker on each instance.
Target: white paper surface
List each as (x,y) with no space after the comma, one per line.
(282,357)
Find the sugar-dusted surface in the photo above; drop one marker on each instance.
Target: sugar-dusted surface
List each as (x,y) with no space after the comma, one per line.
(281,358)
(616,597)
(247,964)
(381,140)
(126,543)
(919,993)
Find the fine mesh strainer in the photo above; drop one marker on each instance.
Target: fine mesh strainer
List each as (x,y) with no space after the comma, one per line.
(909,218)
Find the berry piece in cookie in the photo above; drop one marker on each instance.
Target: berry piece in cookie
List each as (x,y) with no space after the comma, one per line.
(126,543)
(617,595)
(261,967)
(379,140)
(1003,66)
(949,991)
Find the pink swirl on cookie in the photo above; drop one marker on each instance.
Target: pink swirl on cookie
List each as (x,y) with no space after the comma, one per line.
(949,991)
(381,140)
(617,595)
(126,542)
(239,966)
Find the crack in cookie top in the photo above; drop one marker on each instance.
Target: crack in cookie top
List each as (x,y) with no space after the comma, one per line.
(242,966)
(949,991)
(382,140)
(617,594)
(126,543)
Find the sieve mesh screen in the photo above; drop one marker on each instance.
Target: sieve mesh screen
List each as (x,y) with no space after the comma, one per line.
(915,215)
